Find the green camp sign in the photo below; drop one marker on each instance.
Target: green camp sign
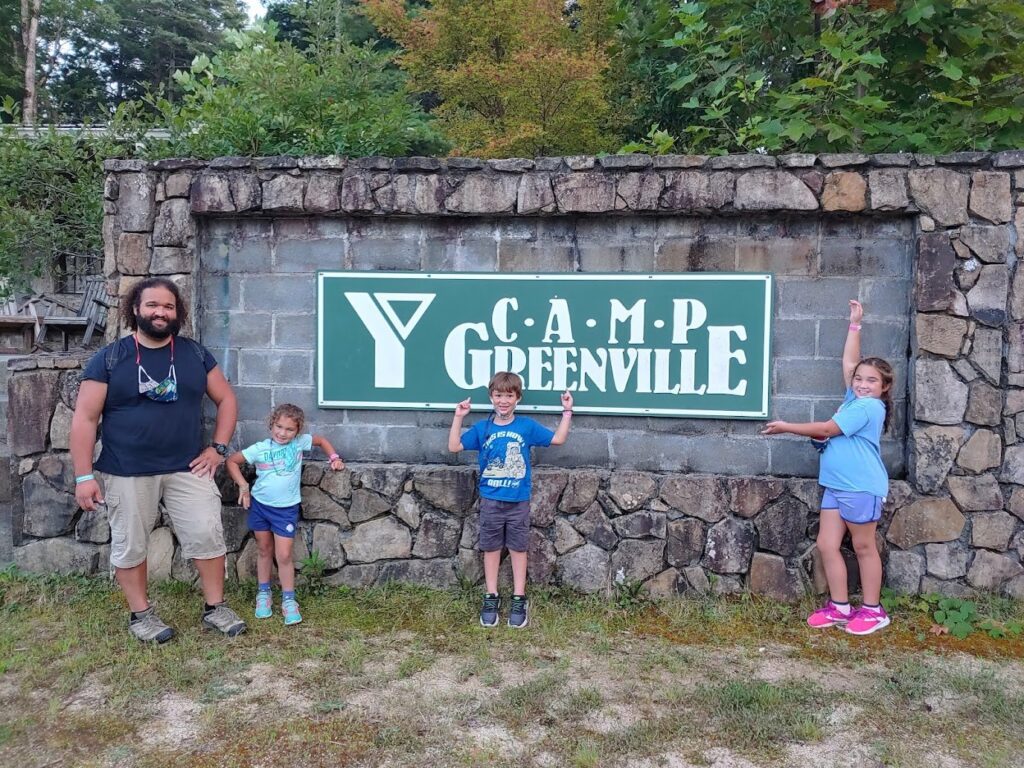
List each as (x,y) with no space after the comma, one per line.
(691,345)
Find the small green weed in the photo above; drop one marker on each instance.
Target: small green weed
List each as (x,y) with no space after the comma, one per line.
(629,595)
(579,703)
(313,568)
(754,714)
(586,755)
(413,664)
(953,615)
(521,703)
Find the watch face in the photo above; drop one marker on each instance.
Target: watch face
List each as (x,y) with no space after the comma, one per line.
(220,448)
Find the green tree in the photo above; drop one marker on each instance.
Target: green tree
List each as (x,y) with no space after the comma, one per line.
(914,75)
(51,197)
(10,76)
(512,77)
(109,51)
(301,21)
(263,96)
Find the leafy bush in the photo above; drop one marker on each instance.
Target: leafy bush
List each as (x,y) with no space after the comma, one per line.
(907,75)
(51,198)
(263,96)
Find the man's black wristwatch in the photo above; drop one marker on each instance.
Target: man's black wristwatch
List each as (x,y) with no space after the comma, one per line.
(220,448)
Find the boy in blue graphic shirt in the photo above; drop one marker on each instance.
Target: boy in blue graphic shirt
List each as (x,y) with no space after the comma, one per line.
(504,441)
(273,503)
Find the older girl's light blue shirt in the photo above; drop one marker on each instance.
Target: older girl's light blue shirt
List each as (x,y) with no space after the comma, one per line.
(853,460)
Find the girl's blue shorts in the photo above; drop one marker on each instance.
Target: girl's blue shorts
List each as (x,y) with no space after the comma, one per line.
(854,506)
(280,520)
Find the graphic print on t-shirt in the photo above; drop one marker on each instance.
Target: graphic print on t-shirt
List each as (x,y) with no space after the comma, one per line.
(511,465)
(281,460)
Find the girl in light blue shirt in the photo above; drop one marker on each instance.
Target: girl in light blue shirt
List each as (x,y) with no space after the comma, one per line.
(273,502)
(855,483)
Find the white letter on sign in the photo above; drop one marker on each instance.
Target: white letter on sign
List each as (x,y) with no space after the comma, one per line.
(687,314)
(559,323)
(388,350)
(635,315)
(455,357)
(499,319)
(719,355)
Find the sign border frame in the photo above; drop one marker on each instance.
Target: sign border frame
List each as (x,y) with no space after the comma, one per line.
(767,277)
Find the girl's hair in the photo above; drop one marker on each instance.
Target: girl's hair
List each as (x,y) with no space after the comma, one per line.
(888,377)
(289,411)
(133,300)
(506,381)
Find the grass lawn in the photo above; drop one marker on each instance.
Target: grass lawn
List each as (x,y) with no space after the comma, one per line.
(400,676)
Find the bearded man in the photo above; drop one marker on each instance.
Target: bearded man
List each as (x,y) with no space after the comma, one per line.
(148,388)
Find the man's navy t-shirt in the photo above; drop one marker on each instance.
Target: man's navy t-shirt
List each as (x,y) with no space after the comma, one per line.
(141,436)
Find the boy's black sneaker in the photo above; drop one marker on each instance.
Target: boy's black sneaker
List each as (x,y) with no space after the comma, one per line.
(489,610)
(518,616)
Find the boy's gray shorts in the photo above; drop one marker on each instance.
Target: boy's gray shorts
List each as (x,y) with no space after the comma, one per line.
(504,524)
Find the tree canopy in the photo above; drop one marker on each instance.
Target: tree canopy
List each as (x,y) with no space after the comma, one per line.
(95,54)
(264,96)
(735,75)
(512,77)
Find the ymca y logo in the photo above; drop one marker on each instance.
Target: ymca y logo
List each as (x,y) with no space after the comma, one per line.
(377,313)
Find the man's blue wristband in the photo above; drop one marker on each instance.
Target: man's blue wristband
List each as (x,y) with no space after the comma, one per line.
(84,478)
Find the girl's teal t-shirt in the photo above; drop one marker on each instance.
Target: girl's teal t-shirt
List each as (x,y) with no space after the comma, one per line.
(278,470)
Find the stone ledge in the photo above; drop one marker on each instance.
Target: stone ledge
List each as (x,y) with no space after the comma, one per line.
(583,184)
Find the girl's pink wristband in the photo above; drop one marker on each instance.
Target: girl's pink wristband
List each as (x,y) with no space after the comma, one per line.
(333,456)
(854,326)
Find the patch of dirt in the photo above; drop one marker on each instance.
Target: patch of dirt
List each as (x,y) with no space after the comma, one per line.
(90,696)
(175,723)
(263,683)
(843,751)
(496,738)
(711,758)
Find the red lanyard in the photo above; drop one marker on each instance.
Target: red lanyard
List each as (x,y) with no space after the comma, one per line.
(138,352)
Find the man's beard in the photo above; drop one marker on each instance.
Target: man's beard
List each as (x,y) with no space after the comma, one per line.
(146,326)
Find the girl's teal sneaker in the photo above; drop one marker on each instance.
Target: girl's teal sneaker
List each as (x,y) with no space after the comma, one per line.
(263,602)
(290,611)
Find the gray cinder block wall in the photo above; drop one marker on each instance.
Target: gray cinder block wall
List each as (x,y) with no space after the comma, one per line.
(928,244)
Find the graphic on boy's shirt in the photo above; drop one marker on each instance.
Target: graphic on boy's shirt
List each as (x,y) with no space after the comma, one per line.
(506,465)
(512,465)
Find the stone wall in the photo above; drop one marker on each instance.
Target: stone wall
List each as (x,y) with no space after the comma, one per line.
(257,291)
(930,244)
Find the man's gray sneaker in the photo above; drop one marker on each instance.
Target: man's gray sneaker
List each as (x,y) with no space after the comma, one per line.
(224,620)
(150,628)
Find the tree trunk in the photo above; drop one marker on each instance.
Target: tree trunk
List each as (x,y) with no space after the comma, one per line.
(337,27)
(29,33)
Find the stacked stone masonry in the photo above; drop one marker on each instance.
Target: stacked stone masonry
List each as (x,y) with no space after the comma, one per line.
(930,244)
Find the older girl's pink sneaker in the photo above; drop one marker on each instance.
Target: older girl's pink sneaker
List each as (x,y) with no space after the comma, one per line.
(828,616)
(868,620)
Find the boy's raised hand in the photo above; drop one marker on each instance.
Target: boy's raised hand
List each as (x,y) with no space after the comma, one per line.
(567,400)
(462,409)
(856,311)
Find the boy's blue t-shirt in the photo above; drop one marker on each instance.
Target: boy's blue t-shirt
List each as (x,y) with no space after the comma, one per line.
(278,470)
(505,455)
(853,460)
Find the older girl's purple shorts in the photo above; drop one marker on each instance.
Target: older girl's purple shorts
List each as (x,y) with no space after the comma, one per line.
(854,506)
